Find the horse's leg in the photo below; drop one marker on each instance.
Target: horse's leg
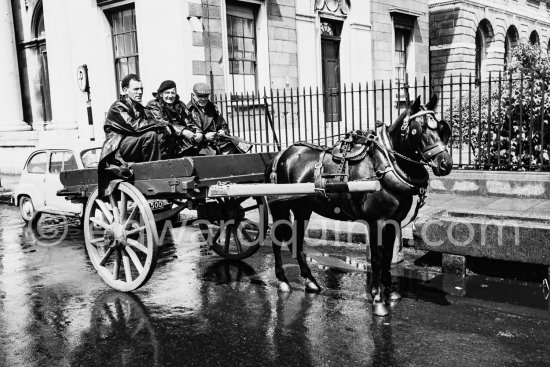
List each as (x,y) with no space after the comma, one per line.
(388,243)
(282,233)
(376,253)
(301,218)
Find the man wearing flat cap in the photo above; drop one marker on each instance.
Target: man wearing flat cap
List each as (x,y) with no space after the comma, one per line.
(208,122)
(131,135)
(167,107)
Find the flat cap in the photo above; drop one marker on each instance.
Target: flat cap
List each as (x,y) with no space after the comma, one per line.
(201,89)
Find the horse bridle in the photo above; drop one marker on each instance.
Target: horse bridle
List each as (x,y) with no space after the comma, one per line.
(431,151)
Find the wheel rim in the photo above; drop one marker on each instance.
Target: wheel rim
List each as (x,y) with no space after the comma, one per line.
(242,233)
(27,209)
(121,237)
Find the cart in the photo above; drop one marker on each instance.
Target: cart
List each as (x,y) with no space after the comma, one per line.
(228,192)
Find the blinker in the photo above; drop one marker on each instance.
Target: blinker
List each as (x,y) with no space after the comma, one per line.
(432,124)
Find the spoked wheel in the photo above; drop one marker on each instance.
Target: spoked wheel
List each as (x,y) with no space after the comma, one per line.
(239,228)
(121,237)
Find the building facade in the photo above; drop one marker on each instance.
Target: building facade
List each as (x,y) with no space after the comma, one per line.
(477,37)
(239,46)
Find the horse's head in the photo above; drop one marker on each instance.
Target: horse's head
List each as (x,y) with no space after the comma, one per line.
(419,135)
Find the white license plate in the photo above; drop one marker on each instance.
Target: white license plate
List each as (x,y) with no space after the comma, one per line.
(157,204)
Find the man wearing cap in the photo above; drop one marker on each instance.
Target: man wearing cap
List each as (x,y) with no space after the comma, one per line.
(131,135)
(167,107)
(206,120)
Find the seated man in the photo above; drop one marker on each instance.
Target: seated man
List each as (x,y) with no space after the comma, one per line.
(205,120)
(131,135)
(167,107)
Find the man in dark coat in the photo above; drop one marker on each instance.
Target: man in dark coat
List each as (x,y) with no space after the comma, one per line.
(167,107)
(205,120)
(131,135)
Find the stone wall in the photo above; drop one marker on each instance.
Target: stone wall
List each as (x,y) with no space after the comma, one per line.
(282,46)
(283,50)
(453,27)
(383,42)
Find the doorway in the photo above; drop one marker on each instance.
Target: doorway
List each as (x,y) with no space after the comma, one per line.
(330,56)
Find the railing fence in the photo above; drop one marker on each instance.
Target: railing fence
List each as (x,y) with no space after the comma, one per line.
(499,123)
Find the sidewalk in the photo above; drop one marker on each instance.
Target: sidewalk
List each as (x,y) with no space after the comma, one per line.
(346,232)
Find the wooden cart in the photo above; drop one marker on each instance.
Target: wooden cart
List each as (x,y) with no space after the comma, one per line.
(120,230)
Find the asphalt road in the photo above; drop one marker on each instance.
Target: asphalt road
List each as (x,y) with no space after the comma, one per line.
(199,310)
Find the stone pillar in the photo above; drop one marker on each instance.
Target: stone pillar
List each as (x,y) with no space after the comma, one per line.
(10,92)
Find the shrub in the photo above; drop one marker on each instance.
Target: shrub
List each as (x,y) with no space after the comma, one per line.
(508,129)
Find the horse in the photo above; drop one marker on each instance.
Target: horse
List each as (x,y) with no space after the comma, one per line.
(396,156)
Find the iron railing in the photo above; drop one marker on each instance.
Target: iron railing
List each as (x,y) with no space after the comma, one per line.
(499,123)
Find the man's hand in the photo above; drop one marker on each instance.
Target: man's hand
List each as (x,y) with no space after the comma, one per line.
(221,132)
(188,134)
(210,136)
(198,137)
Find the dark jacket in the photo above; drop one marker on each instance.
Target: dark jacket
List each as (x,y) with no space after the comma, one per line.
(123,119)
(210,120)
(175,114)
(206,120)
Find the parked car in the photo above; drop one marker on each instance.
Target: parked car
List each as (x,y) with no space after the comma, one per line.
(39,181)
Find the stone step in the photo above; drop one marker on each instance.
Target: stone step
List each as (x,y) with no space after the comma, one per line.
(523,237)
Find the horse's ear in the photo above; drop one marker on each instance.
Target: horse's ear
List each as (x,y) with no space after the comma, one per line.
(433,102)
(416,105)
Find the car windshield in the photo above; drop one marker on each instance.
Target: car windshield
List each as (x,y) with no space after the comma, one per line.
(90,157)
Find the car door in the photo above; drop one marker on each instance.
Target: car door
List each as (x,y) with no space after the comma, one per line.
(59,160)
(33,182)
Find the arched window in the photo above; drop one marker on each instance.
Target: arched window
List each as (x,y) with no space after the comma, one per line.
(39,33)
(510,42)
(534,38)
(484,36)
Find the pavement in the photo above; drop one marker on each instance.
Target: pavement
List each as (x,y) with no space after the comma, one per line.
(352,232)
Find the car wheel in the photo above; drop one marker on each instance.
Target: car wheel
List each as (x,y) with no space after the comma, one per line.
(26,208)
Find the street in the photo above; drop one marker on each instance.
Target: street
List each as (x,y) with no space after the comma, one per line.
(200,310)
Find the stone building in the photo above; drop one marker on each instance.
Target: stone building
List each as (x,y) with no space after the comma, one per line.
(477,37)
(237,45)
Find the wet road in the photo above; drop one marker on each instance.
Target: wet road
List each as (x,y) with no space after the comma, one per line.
(198,310)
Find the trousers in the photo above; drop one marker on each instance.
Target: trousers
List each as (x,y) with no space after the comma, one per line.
(141,148)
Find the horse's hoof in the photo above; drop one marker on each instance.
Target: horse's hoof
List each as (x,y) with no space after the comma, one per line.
(312,287)
(379,309)
(392,295)
(284,287)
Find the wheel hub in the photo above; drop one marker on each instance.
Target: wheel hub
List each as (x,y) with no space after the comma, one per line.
(119,232)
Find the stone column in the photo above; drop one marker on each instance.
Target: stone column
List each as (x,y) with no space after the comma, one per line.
(10,92)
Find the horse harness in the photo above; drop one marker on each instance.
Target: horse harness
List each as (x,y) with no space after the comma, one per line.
(356,146)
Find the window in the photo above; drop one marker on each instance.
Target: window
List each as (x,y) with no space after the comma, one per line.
(404,23)
(241,44)
(480,53)
(510,42)
(402,39)
(90,157)
(534,38)
(123,30)
(62,161)
(37,164)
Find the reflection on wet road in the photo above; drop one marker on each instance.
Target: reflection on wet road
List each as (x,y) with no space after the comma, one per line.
(200,310)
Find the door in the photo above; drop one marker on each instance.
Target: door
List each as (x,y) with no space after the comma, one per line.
(330,53)
(60,160)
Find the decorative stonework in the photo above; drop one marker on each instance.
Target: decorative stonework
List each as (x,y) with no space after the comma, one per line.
(338,7)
